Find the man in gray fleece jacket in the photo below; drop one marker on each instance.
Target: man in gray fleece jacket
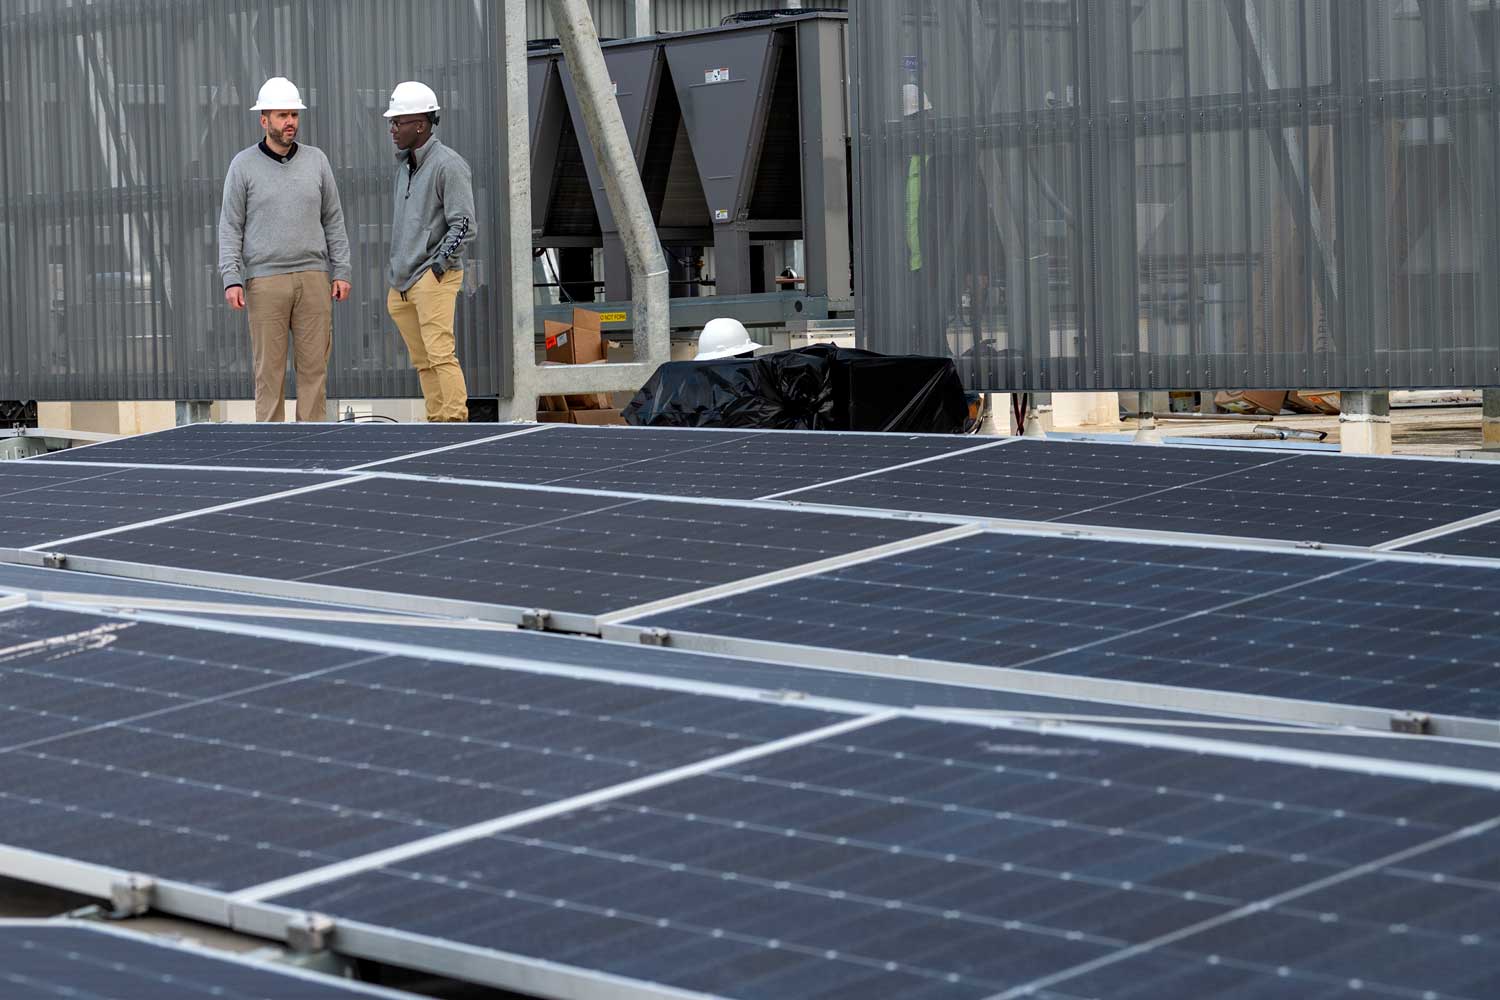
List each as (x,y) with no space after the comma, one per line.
(281,233)
(433,222)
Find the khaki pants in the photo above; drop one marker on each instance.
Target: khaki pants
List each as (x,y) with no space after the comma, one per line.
(424,315)
(301,303)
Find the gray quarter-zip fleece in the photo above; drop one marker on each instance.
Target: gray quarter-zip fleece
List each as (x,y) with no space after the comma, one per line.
(434,213)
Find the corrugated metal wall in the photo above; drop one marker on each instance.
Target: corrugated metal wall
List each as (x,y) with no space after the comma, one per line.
(1081,194)
(123,118)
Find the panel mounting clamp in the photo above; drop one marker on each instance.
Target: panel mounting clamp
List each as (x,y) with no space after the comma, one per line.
(1417,723)
(537,619)
(309,932)
(655,637)
(54,560)
(131,895)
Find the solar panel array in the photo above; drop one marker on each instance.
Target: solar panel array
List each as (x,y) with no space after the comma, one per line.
(87,961)
(829,782)
(720,843)
(1388,636)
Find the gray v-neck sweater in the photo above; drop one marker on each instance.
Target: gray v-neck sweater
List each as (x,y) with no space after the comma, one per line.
(281,216)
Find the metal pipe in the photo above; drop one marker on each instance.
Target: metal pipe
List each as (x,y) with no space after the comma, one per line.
(1289,433)
(622,177)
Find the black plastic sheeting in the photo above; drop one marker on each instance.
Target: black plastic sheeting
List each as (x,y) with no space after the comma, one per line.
(821,387)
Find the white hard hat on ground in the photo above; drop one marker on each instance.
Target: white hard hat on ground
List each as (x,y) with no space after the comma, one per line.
(412,98)
(724,338)
(278,94)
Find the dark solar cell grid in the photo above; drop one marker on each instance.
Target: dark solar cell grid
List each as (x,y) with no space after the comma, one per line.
(1344,501)
(87,963)
(61,672)
(559,453)
(1337,500)
(996,599)
(750,467)
(60,502)
(1034,481)
(1482,542)
(281,446)
(193,444)
(196,755)
(918,859)
(1386,635)
(563,552)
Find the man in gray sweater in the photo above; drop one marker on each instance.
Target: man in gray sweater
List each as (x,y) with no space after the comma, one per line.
(433,222)
(281,234)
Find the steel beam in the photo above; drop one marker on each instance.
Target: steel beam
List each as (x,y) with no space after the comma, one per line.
(627,200)
(824,120)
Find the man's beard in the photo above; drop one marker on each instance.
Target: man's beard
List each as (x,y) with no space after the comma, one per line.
(277,136)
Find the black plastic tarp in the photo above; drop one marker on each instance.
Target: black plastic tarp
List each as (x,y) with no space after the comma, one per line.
(813,388)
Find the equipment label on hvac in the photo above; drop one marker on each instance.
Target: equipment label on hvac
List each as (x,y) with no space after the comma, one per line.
(720,75)
(721,215)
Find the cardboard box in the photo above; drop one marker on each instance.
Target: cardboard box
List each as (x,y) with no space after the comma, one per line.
(587,400)
(554,416)
(1250,401)
(576,343)
(598,417)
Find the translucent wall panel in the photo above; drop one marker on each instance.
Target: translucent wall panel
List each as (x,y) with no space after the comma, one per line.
(122,118)
(666,15)
(1081,194)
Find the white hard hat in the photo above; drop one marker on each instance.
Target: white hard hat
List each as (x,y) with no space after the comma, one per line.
(724,338)
(412,98)
(911,97)
(278,94)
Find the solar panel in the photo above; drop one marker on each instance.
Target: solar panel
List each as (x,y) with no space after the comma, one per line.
(92,588)
(1348,501)
(770,463)
(282,446)
(46,503)
(1036,481)
(560,452)
(1481,542)
(1338,500)
(928,860)
(682,462)
(86,961)
(534,549)
(191,444)
(229,760)
(1264,624)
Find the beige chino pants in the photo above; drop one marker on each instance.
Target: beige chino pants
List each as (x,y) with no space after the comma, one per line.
(300,303)
(424,315)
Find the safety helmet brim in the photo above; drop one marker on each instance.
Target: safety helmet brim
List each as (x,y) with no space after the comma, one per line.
(743,350)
